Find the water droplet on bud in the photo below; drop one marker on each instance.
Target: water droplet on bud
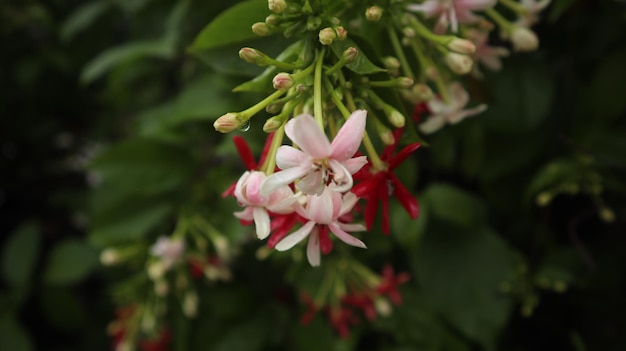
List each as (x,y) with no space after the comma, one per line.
(245,126)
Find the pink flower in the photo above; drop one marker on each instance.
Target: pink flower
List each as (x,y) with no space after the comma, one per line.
(323,211)
(248,159)
(489,56)
(320,162)
(451,12)
(168,250)
(247,192)
(451,112)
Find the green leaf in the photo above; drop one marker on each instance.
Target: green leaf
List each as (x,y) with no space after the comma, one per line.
(231,26)
(63,308)
(19,255)
(12,336)
(452,204)
(82,18)
(69,262)
(105,61)
(459,273)
(362,64)
(608,86)
(144,166)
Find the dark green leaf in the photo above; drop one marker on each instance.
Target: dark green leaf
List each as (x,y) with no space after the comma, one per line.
(449,203)
(69,262)
(82,18)
(362,64)
(20,254)
(12,336)
(62,308)
(231,26)
(608,86)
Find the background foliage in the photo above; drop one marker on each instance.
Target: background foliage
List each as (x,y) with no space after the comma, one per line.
(106,138)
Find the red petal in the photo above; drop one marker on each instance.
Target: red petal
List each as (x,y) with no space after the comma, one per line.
(402,155)
(404,196)
(383,194)
(368,185)
(230,191)
(244,152)
(326,245)
(370,209)
(266,147)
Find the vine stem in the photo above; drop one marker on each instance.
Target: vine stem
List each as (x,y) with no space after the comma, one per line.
(317,90)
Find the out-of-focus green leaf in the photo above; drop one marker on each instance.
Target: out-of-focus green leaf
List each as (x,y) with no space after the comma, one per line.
(558,7)
(69,262)
(82,18)
(608,86)
(459,273)
(144,166)
(12,336)
(62,308)
(19,255)
(314,337)
(131,6)
(362,64)
(109,58)
(249,335)
(231,26)
(449,203)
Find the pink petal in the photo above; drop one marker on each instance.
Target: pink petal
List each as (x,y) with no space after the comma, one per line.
(292,239)
(282,178)
(428,8)
(349,200)
(342,179)
(313,249)
(246,214)
(312,183)
(289,157)
(345,237)
(253,187)
(261,222)
(353,165)
(432,124)
(240,185)
(306,133)
(320,208)
(348,140)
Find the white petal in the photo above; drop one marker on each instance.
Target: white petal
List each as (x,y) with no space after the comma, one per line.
(352,227)
(282,178)
(458,95)
(348,139)
(313,249)
(288,157)
(342,179)
(292,239)
(431,125)
(345,237)
(307,134)
(353,165)
(468,113)
(312,183)
(262,222)
(429,8)
(320,207)
(349,200)
(246,214)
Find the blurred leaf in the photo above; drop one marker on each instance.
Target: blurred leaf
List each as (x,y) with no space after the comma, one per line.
(558,8)
(520,95)
(131,6)
(407,231)
(19,255)
(232,26)
(459,273)
(62,308)
(12,336)
(127,219)
(144,166)
(248,335)
(82,18)
(112,57)
(314,337)
(362,64)
(608,86)
(455,205)
(69,262)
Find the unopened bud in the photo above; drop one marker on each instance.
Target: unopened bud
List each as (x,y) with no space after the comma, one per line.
(190,304)
(383,307)
(458,63)
(272,124)
(607,215)
(261,29)
(396,118)
(327,36)
(524,39)
(461,46)
(274,107)
(282,81)
(273,20)
(277,6)
(387,137)
(391,62)
(161,287)
(422,92)
(373,13)
(313,23)
(342,33)
(148,323)
(431,73)
(156,270)
(543,199)
(254,56)
(559,287)
(404,82)
(301,88)
(408,32)
(227,123)
(109,257)
(350,54)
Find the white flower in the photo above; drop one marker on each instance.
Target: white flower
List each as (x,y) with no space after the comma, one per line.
(451,12)
(451,112)
(170,251)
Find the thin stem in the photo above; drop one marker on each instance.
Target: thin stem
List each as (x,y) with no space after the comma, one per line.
(246,114)
(317,90)
(397,47)
(270,161)
(515,6)
(499,19)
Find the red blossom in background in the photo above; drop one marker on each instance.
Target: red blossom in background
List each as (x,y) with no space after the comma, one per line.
(160,343)
(390,282)
(248,158)
(377,185)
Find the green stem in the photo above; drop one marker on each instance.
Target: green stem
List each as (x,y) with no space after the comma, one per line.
(515,6)
(505,24)
(251,111)
(397,47)
(317,90)
(269,164)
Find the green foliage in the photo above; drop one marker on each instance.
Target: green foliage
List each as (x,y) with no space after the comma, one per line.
(13,336)
(70,262)
(19,255)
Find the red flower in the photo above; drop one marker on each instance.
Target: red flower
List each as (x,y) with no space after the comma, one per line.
(390,282)
(160,343)
(341,318)
(248,158)
(378,184)
(363,302)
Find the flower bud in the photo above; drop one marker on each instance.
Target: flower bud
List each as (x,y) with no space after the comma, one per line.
(391,62)
(190,304)
(396,118)
(431,73)
(461,46)
(408,32)
(282,81)
(350,54)
(109,257)
(254,56)
(274,107)
(156,270)
(273,20)
(313,23)
(277,6)
(261,29)
(227,123)
(342,33)
(383,307)
(373,13)
(161,288)
(524,39)
(404,82)
(272,124)
(458,63)
(607,215)
(387,137)
(422,92)
(327,36)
